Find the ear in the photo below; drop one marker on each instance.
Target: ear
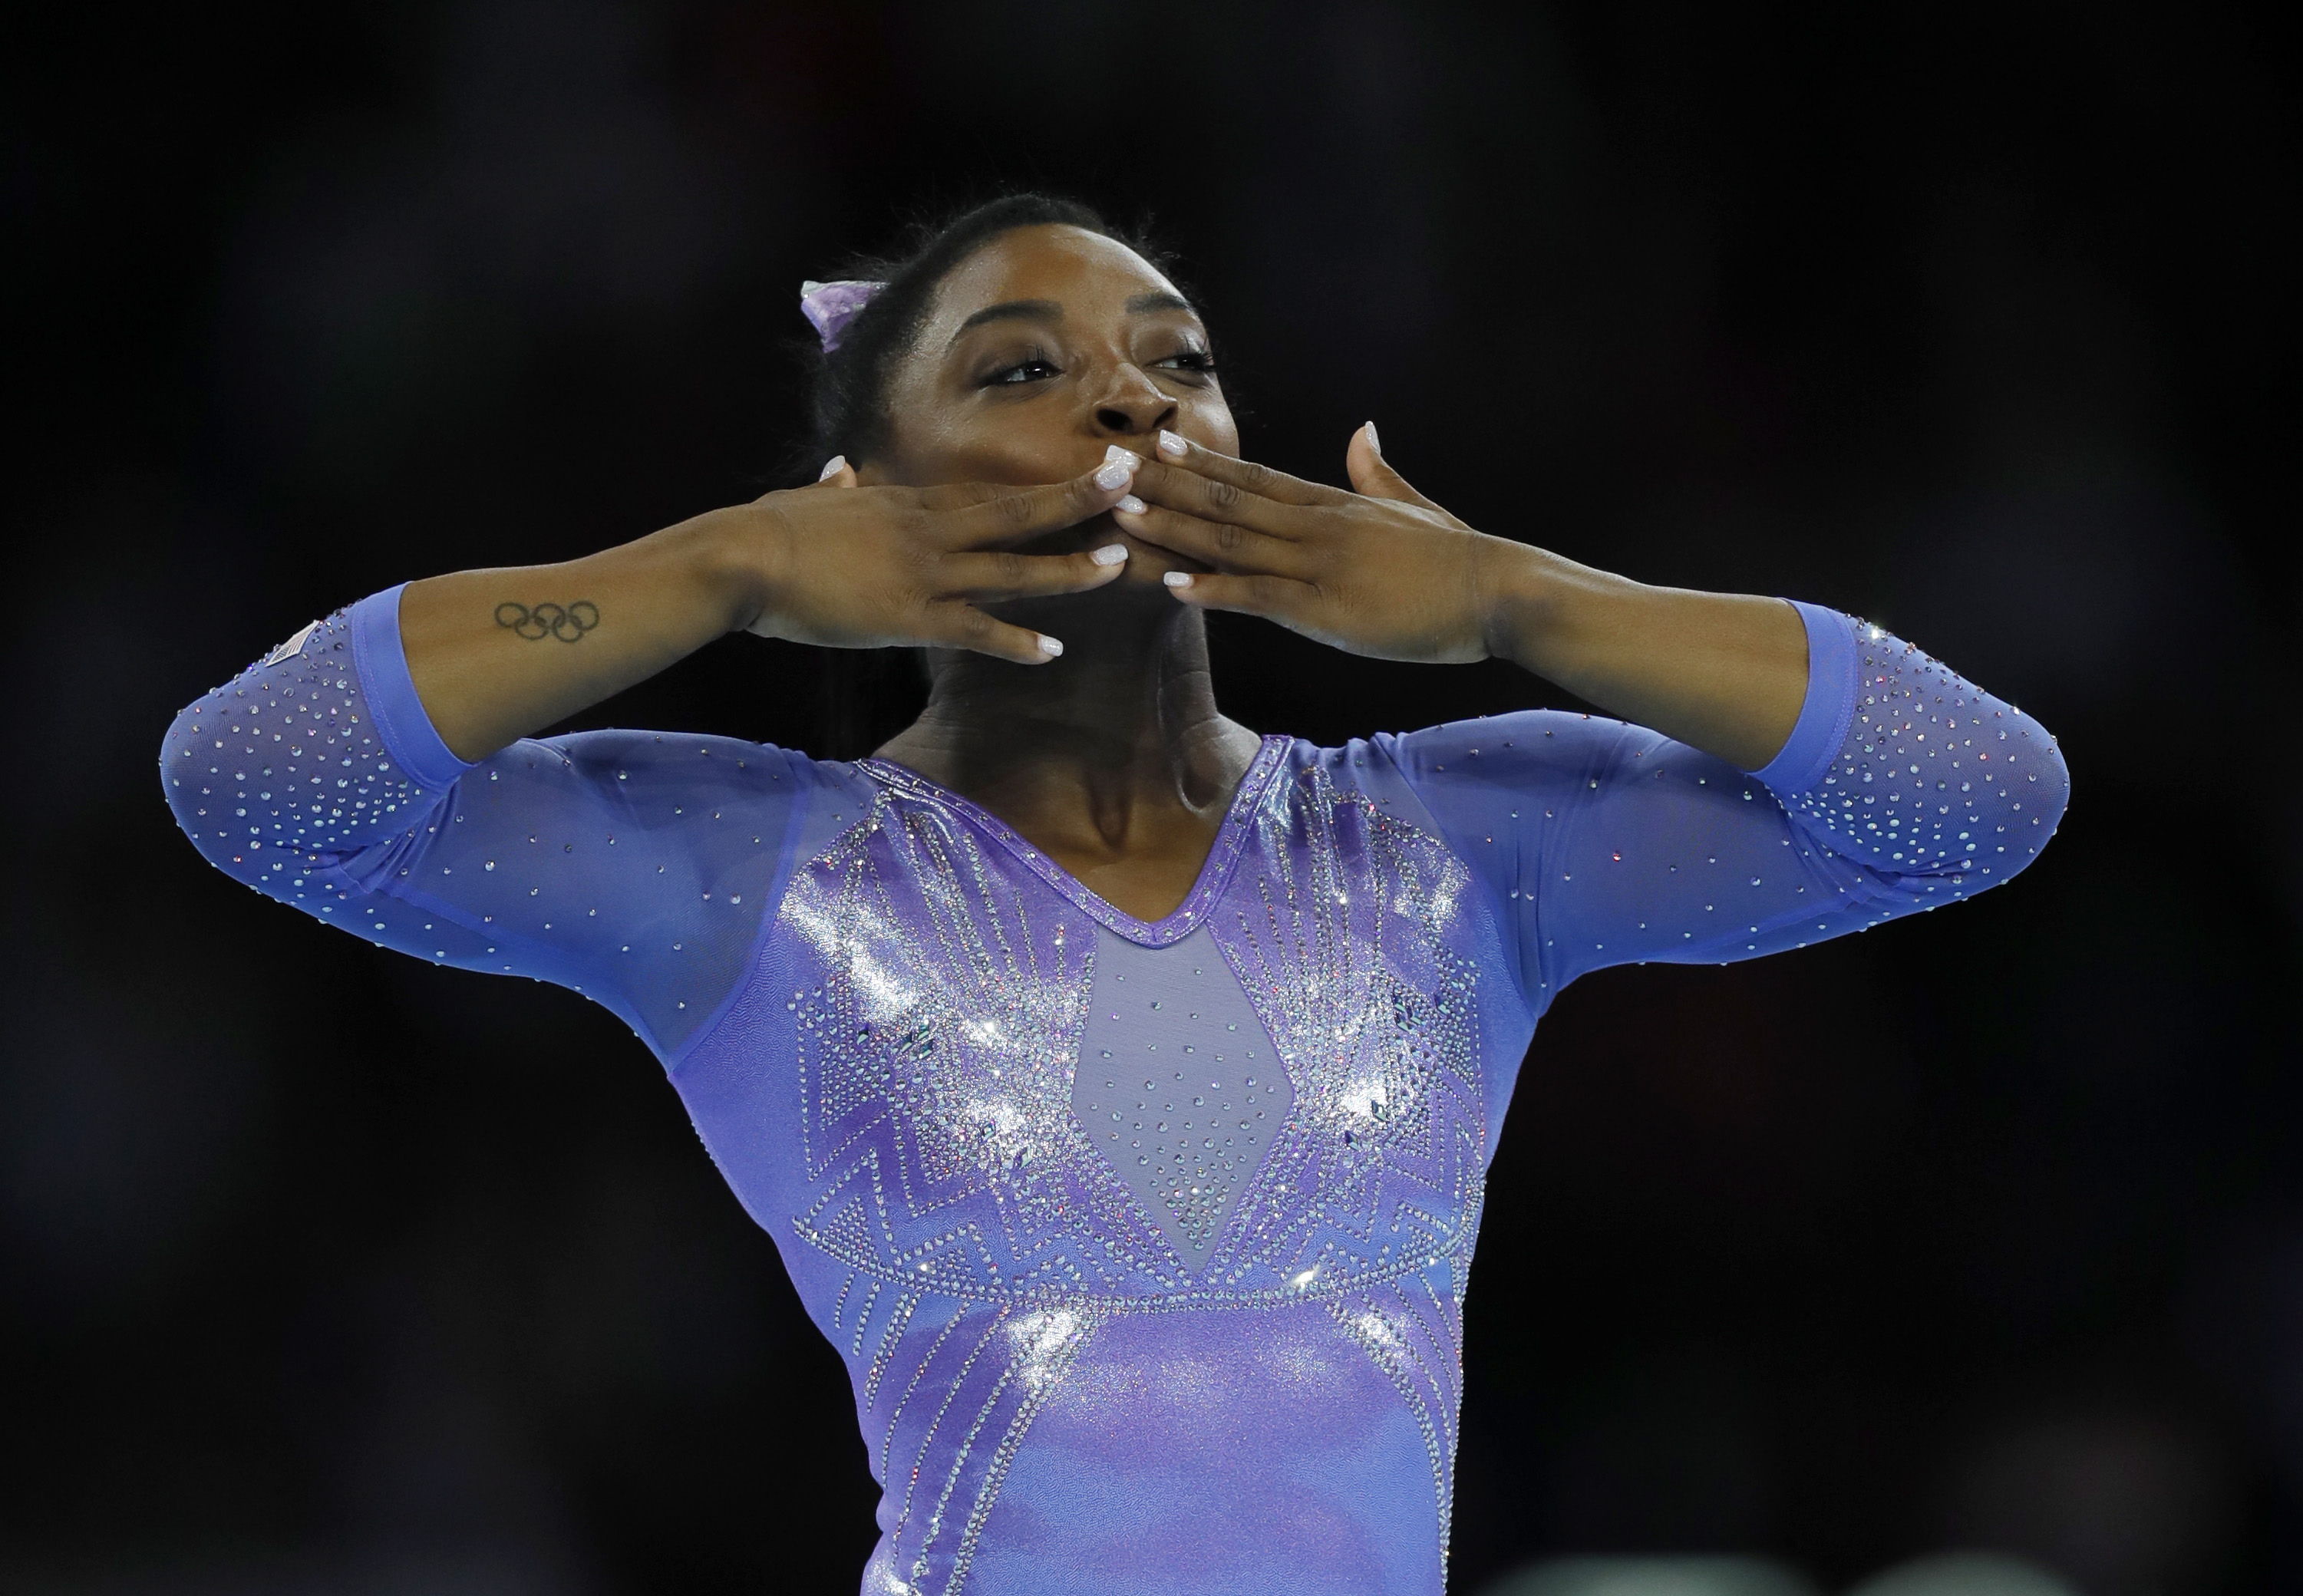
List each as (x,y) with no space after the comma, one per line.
(1364,461)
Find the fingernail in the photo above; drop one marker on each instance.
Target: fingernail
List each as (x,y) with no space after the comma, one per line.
(832,468)
(1113,452)
(1170,443)
(1117,473)
(1111,554)
(1050,647)
(1369,430)
(1177,578)
(1130,503)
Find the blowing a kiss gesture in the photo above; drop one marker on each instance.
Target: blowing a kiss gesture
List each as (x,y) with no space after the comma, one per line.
(1384,572)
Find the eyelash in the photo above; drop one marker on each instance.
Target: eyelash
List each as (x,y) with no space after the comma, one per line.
(1198,362)
(1004,377)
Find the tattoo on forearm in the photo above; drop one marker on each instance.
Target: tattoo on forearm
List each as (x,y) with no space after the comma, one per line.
(566,623)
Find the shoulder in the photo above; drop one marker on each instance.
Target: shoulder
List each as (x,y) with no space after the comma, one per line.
(635,766)
(1448,777)
(1516,747)
(718,759)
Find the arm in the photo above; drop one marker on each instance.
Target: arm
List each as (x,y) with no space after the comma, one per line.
(1386,572)
(1804,775)
(630,867)
(1902,787)
(366,771)
(497,653)
(1726,672)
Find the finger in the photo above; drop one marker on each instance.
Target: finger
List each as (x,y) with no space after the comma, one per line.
(1004,574)
(1212,499)
(964,495)
(1274,599)
(1372,475)
(1225,544)
(1027,511)
(836,473)
(960,495)
(1176,450)
(952,624)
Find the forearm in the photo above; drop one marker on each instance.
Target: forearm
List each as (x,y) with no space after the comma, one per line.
(498,653)
(1723,672)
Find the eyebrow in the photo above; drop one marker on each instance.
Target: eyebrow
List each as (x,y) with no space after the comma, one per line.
(1048,311)
(1012,310)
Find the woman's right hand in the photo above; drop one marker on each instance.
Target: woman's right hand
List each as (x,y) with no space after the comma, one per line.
(845,566)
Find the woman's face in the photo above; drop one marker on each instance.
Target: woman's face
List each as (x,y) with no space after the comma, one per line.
(1042,349)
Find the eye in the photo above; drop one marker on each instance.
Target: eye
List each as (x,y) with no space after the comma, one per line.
(1033,367)
(1198,360)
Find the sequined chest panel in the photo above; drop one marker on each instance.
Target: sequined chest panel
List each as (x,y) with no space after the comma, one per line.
(1012,1093)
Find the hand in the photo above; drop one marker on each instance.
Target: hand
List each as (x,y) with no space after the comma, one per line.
(845,566)
(1382,572)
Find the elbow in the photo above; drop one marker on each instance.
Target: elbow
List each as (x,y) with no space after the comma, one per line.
(223,815)
(2047,790)
(183,777)
(2015,813)
(262,819)
(2037,796)
(192,782)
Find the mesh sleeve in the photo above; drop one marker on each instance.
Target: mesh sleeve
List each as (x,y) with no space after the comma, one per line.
(1902,787)
(634,867)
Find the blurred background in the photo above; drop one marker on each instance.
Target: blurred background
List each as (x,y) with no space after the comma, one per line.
(1979,1241)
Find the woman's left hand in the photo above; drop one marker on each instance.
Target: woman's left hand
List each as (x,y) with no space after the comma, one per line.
(1382,572)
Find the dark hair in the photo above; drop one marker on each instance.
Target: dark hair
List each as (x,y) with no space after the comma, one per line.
(851,382)
(869,697)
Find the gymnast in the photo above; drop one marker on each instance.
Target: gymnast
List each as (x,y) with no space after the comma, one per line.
(1118,1083)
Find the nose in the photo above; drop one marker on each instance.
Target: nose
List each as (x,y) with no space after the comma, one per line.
(1132,405)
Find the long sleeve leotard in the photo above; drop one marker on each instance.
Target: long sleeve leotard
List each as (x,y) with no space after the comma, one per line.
(1146,1243)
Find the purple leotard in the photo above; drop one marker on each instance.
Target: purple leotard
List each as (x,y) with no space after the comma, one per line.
(1146,1243)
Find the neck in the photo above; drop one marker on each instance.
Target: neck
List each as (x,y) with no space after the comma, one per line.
(1122,733)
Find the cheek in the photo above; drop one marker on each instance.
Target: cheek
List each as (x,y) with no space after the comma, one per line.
(1021,445)
(1212,426)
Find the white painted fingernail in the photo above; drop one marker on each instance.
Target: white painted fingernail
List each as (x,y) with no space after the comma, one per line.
(1111,554)
(1130,503)
(1170,443)
(1117,473)
(1113,451)
(1369,430)
(832,468)
(1177,578)
(1050,647)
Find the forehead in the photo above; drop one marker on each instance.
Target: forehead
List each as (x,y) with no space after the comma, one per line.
(1084,271)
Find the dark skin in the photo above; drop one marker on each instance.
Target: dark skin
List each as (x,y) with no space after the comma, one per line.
(977,532)
(1113,759)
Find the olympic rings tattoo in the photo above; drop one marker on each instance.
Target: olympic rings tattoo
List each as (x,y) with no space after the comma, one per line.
(566,622)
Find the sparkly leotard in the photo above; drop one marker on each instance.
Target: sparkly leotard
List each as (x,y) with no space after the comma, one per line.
(1146,1243)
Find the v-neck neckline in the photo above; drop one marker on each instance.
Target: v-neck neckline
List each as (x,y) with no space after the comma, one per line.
(1178,923)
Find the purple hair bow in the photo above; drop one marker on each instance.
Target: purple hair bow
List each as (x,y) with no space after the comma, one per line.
(829,307)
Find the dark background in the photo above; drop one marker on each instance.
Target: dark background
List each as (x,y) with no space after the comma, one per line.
(328,1271)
